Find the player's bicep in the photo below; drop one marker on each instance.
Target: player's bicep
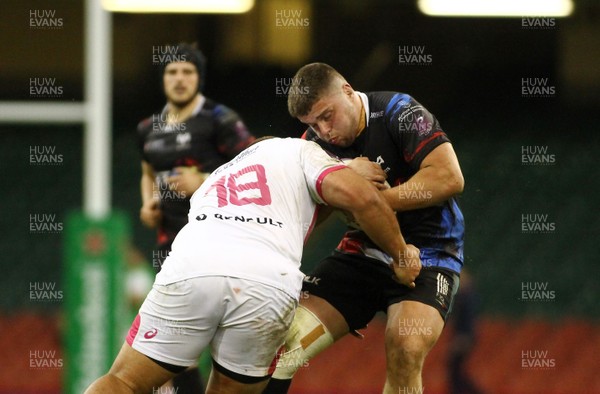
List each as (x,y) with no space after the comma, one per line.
(344,189)
(316,165)
(443,159)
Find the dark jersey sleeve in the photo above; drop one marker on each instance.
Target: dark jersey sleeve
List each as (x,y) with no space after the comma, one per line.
(232,135)
(143,129)
(414,129)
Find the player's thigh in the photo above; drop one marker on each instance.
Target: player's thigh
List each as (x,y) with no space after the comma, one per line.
(252,330)
(417,318)
(412,328)
(343,291)
(177,321)
(138,371)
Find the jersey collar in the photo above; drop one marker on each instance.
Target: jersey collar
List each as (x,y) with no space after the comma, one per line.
(197,108)
(365,102)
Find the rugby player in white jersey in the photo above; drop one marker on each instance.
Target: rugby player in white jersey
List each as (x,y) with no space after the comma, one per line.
(233,279)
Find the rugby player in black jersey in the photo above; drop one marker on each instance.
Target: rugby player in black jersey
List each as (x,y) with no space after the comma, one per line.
(180,146)
(399,141)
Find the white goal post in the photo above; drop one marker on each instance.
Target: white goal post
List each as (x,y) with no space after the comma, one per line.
(95,113)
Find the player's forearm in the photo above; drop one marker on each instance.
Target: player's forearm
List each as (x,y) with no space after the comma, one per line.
(379,222)
(147,187)
(347,190)
(428,187)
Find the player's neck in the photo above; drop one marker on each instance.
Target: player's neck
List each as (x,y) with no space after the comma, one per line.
(181,113)
(362,120)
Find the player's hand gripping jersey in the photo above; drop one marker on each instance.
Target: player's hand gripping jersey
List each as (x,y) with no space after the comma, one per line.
(257,228)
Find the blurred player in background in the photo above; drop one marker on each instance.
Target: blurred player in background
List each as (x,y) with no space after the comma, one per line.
(404,144)
(180,146)
(463,321)
(232,280)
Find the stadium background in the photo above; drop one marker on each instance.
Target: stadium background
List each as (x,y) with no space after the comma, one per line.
(472,82)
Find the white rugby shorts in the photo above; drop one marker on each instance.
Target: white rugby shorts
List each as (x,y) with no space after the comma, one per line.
(244,322)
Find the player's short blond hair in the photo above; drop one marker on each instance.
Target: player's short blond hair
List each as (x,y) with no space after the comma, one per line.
(309,85)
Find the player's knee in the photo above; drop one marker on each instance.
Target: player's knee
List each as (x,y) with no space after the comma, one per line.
(417,339)
(306,338)
(406,353)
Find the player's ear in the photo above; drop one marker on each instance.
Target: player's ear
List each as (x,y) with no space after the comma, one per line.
(347,89)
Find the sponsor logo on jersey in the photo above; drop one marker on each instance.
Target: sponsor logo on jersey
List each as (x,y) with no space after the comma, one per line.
(415,120)
(243,219)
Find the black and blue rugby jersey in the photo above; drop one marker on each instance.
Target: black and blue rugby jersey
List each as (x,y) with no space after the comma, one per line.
(400,133)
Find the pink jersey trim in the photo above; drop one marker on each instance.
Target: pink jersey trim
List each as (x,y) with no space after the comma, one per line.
(133,330)
(323,175)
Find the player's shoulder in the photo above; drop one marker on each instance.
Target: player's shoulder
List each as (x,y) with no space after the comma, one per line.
(144,127)
(291,144)
(216,110)
(288,142)
(387,101)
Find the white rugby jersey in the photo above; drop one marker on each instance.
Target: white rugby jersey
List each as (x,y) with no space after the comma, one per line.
(252,215)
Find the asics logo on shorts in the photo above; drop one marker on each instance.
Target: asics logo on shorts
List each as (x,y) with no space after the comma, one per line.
(151,334)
